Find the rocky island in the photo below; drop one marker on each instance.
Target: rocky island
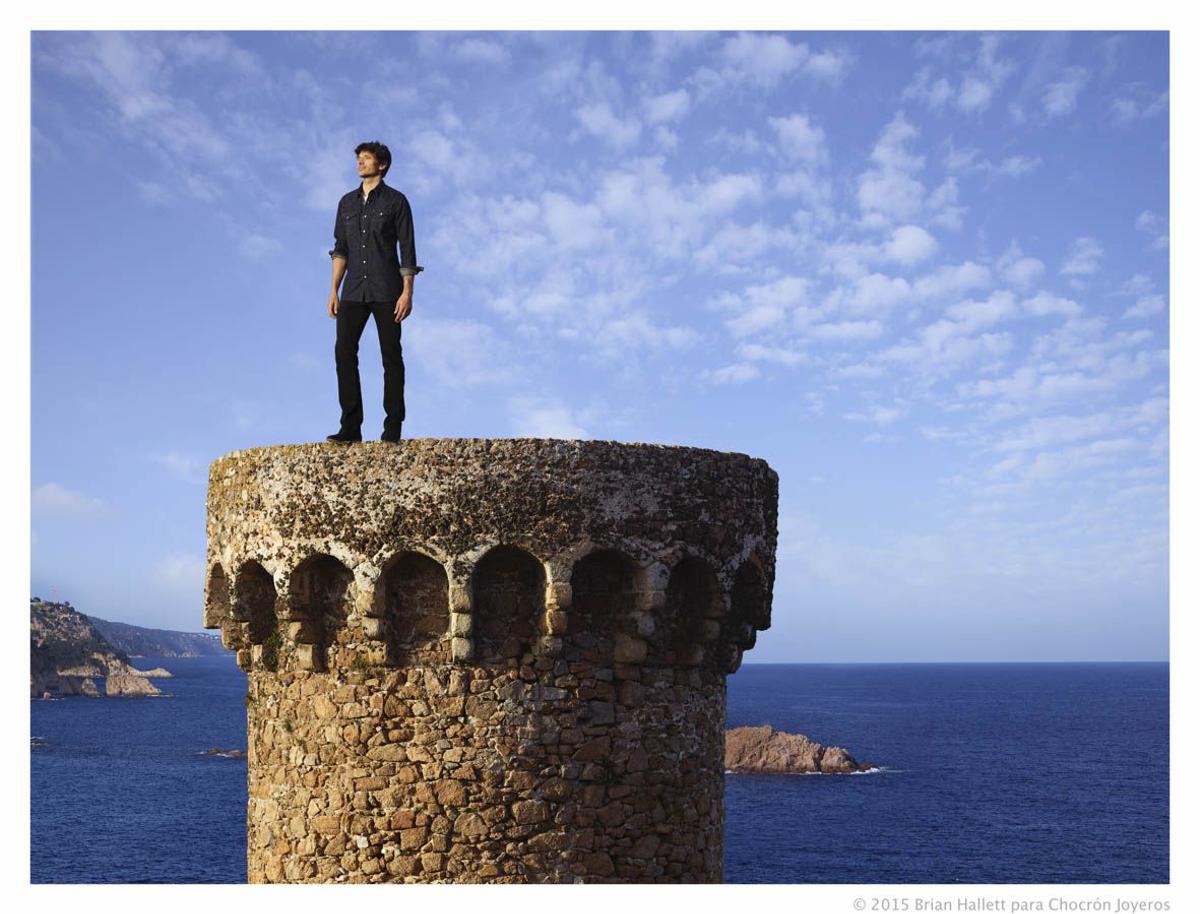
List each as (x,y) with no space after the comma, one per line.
(67,655)
(765,750)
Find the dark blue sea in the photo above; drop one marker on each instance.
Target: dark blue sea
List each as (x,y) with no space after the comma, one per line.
(997,773)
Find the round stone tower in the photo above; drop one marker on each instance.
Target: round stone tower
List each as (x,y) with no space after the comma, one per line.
(480,660)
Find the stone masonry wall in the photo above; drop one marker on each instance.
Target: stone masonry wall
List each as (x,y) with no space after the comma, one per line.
(488,660)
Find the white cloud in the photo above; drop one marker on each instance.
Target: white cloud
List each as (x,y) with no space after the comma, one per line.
(879,415)
(780,355)
(910,244)
(943,205)
(1044,304)
(1137,103)
(1022,271)
(440,152)
(1047,431)
(934,94)
(670,106)
(737,373)
(746,142)
(134,74)
(180,572)
(481,51)
(974,94)
(535,418)
(1150,223)
(972,160)
(1016,165)
(891,150)
(846,331)
(1083,258)
(949,280)
(256,246)
(890,193)
(459,353)
(51,498)
(766,59)
(1146,306)
(182,466)
(870,295)
(734,244)
(799,139)
(762,306)
(598,120)
(1059,98)
(979,87)
(953,341)
(573,225)
(971,315)
(828,65)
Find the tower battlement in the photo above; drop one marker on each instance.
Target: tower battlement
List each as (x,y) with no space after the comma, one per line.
(488,660)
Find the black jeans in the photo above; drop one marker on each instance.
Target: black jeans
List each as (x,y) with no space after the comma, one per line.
(351,318)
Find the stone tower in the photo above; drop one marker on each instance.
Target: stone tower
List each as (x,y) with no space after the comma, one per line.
(480,660)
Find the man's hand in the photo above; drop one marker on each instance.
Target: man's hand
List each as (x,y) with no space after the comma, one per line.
(403,305)
(332,304)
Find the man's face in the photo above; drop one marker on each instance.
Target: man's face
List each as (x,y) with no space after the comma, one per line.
(368,165)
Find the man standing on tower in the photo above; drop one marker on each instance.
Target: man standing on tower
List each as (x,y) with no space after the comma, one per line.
(371,221)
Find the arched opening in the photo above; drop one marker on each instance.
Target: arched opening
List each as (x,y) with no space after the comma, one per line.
(509,588)
(415,608)
(747,605)
(218,605)
(254,602)
(693,597)
(317,602)
(602,587)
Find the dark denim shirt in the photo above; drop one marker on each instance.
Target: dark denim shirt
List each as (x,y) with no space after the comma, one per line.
(365,235)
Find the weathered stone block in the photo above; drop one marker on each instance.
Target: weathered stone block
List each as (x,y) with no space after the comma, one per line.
(628,650)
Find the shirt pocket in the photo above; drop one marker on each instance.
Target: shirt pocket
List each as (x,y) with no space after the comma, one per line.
(382,221)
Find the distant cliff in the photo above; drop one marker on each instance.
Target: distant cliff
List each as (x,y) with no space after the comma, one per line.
(156,642)
(67,655)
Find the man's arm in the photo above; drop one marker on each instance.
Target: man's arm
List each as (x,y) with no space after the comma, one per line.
(408,257)
(339,270)
(339,254)
(404,238)
(404,302)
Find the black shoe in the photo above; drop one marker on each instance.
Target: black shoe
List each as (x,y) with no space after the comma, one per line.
(390,439)
(343,438)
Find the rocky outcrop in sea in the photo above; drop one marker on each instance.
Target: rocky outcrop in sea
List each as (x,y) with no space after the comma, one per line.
(765,750)
(68,656)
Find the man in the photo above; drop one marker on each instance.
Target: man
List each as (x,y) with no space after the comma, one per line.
(371,221)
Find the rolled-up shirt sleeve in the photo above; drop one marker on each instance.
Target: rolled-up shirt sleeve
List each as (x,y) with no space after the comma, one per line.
(404,237)
(340,247)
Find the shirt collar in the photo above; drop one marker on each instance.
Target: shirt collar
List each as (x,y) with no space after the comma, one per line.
(373,191)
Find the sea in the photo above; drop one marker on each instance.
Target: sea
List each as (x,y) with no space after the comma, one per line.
(984,773)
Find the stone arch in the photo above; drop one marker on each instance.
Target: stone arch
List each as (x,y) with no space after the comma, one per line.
(318,606)
(693,604)
(414,604)
(254,601)
(603,596)
(218,603)
(509,599)
(747,608)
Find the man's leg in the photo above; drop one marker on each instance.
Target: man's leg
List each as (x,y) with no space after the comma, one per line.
(351,318)
(393,366)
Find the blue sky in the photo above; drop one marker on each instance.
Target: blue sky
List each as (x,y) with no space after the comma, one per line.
(925,275)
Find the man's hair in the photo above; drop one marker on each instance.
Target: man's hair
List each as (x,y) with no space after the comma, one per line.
(382,154)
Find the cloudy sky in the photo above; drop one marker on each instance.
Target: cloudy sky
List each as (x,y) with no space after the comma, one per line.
(923,275)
